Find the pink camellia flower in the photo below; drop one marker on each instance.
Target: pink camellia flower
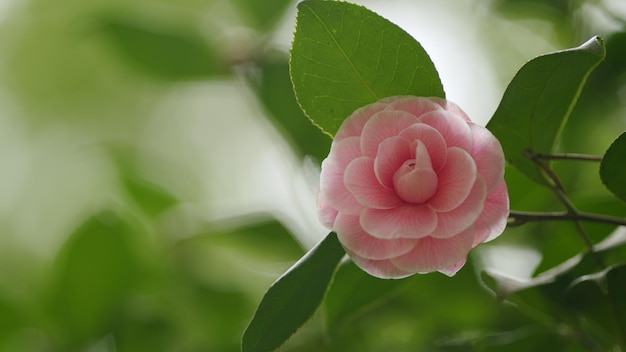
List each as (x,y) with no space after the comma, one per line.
(411,185)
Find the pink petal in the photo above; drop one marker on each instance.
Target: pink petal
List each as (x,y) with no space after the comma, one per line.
(355,239)
(416,181)
(325,212)
(383,269)
(332,186)
(456,179)
(361,180)
(382,125)
(435,144)
(392,153)
(454,129)
(460,218)
(452,270)
(353,125)
(415,105)
(492,221)
(410,221)
(488,155)
(433,254)
(455,109)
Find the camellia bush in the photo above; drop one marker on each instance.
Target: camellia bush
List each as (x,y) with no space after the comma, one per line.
(412,186)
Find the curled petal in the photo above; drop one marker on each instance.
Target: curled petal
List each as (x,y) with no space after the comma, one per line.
(434,254)
(416,181)
(492,220)
(452,270)
(353,125)
(384,124)
(361,180)
(453,108)
(460,218)
(456,179)
(332,186)
(325,212)
(409,221)
(383,269)
(432,139)
(355,239)
(453,128)
(488,155)
(416,107)
(392,153)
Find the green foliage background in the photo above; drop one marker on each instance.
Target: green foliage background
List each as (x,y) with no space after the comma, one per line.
(157,175)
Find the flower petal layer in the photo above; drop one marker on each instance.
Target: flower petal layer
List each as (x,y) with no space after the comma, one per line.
(433,254)
(354,238)
(392,153)
(382,125)
(361,180)
(456,179)
(332,187)
(408,221)
(492,220)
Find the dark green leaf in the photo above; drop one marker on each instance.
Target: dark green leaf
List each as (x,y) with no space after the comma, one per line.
(599,300)
(167,54)
(538,102)
(276,93)
(353,291)
(293,298)
(95,271)
(345,56)
(613,167)
(263,14)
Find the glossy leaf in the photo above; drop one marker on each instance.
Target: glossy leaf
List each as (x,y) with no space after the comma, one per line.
(539,100)
(613,167)
(345,56)
(293,298)
(165,54)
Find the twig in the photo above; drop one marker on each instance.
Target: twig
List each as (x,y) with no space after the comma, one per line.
(557,188)
(568,156)
(518,218)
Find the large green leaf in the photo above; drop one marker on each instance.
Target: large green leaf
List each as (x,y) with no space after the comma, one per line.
(293,298)
(345,56)
(613,168)
(538,102)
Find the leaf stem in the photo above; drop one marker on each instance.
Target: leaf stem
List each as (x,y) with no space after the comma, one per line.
(568,156)
(557,188)
(518,218)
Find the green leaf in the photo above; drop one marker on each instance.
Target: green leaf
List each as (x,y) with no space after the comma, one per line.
(165,54)
(354,291)
(539,100)
(95,271)
(613,168)
(293,298)
(276,93)
(599,299)
(345,56)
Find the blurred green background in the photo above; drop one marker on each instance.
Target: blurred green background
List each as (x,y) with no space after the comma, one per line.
(157,175)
